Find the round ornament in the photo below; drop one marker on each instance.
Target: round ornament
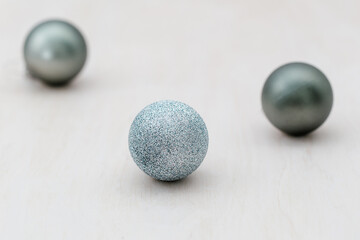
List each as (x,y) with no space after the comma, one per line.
(297,98)
(55,52)
(168,140)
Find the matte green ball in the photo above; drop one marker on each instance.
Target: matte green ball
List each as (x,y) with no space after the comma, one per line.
(55,52)
(297,98)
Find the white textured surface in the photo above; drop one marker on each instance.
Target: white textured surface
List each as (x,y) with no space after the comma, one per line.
(65,168)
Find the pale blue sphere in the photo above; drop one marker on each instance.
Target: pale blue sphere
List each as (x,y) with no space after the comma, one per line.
(168,140)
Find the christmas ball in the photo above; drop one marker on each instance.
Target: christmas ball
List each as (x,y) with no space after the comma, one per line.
(168,140)
(55,52)
(297,98)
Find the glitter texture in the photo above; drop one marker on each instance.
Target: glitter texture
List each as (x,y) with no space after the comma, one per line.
(168,140)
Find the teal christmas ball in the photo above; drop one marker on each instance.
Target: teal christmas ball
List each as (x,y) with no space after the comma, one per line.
(297,98)
(55,52)
(168,140)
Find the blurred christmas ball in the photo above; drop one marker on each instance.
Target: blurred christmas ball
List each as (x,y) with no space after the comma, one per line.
(297,98)
(55,52)
(168,140)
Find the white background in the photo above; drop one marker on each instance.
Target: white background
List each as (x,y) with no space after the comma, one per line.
(65,168)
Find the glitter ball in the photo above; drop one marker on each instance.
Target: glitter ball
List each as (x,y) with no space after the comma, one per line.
(168,140)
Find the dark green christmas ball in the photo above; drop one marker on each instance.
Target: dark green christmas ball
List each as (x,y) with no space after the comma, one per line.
(297,98)
(55,52)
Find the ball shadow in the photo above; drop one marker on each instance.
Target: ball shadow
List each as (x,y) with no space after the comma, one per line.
(323,135)
(194,183)
(72,85)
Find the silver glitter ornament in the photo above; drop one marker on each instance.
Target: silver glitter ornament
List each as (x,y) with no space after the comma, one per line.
(55,52)
(297,98)
(168,140)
